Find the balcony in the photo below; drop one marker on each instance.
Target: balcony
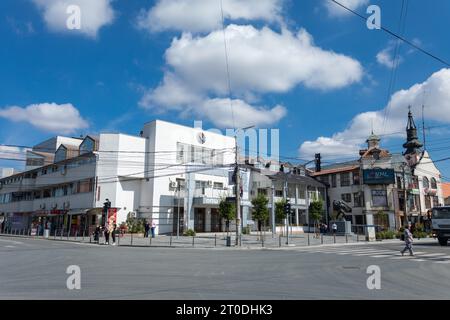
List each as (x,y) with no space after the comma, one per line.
(210,196)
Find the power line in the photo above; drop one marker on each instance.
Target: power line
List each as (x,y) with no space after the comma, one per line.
(415,46)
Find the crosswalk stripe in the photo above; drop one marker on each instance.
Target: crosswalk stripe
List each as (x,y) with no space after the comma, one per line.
(377,252)
(431,254)
(442,262)
(381,256)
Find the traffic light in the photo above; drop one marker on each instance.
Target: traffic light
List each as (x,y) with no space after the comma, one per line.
(287,209)
(106,206)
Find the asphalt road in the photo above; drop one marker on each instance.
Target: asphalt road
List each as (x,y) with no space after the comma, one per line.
(36,269)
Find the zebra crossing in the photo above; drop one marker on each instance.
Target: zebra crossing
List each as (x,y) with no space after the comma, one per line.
(380,253)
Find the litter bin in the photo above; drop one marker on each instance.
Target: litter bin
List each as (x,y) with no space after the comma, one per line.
(46,233)
(228,241)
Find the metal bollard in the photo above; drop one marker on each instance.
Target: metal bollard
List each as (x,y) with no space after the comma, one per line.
(215,240)
(321,240)
(346,238)
(279,240)
(309,241)
(150,241)
(193,241)
(170,241)
(334,238)
(262,241)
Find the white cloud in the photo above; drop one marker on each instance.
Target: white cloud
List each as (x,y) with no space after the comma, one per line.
(94,15)
(335,10)
(205,15)
(51,117)
(261,61)
(436,89)
(14,153)
(243,115)
(386,57)
(175,96)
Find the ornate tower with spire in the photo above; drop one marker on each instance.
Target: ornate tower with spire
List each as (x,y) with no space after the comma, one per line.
(412,144)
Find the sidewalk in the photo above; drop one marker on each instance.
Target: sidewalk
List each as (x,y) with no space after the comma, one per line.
(214,240)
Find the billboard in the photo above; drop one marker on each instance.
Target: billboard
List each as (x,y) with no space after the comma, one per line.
(379,176)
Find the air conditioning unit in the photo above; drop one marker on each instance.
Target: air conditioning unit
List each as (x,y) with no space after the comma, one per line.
(173,184)
(42,206)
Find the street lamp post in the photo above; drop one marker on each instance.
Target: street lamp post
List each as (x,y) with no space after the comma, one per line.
(238,185)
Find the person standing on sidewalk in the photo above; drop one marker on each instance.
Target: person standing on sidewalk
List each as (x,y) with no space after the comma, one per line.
(113,234)
(408,241)
(153,228)
(147,229)
(334,227)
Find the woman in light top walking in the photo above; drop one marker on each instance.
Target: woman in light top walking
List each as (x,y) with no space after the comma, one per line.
(408,241)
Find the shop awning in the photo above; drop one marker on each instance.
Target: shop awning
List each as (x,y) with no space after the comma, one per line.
(77,212)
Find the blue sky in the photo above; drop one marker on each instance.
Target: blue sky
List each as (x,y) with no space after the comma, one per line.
(110,77)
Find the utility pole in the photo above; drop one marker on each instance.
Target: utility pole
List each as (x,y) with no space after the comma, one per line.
(238,193)
(405,216)
(178,208)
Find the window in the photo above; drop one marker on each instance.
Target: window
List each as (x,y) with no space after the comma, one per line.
(399,183)
(345,179)
(47,193)
(37,194)
(301,192)
(356,177)
(86,186)
(435,201)
(427,202)
(379,198)
(44,171)
(279,193)
(358,199)
(426,183)
(218,185)
(433,183)
(262,191)
(87,145)
(347,197)
(333,181)
(181,183)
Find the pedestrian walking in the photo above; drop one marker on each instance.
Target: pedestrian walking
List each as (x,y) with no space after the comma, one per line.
(147,229)
(334,228)
(97,233)
(106,233)
(408,241)
(153,228)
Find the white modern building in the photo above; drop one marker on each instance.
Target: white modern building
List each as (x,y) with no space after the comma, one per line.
(168,169)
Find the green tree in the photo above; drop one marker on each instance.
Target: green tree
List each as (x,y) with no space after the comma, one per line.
(260,209)
(279,211)
(135,225)
(227,211)
(316,212)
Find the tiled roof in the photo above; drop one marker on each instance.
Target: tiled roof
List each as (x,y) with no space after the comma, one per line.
(335,170)
(446,189)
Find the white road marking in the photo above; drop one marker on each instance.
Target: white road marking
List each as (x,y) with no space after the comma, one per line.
(10,246)
(11,241)
(431,254)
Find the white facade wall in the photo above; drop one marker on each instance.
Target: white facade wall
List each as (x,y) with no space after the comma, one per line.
(157,198)
(120,169)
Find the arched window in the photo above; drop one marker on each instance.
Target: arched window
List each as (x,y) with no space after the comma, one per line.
(426,183)
(433,183)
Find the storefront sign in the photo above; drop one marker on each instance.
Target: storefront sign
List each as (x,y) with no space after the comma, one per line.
(379,176)
(112,218)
